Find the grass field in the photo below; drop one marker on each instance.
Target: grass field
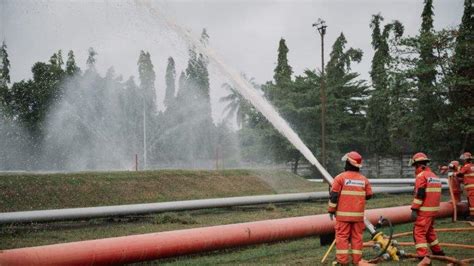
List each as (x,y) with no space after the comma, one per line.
(112,188)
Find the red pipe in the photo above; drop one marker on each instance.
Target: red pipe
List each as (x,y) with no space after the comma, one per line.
(135,248)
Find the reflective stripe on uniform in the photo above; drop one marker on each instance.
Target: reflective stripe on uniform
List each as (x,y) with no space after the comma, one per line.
(469,186)
(357,251)
(342,251)
(349,251)
(471,174)
(333,205)
(433,189)
(361,214)
(417,201)
(471,209)
(353,193)
(429,209)
(422,245)
(434,243)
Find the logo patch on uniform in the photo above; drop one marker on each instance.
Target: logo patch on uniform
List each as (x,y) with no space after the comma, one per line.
(433,180)
(355,183)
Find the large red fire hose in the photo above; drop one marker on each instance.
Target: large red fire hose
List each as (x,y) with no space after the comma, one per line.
(154,246)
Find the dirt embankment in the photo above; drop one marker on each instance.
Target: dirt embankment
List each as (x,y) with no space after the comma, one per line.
(49,191)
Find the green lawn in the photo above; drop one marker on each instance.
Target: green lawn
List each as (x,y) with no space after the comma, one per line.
(85,189)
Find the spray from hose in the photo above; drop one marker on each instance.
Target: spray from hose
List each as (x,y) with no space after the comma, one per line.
(250,94)
(242,86)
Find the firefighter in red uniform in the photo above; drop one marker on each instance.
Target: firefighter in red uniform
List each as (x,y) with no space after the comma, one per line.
(467,173)
(347,198)
(454,181)
(425,206)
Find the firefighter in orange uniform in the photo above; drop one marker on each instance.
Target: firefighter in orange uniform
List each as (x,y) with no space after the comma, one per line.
(347,198)
(467,173)
(454,181)
(425,206)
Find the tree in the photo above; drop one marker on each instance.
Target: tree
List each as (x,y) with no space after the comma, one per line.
(71,67)
(147,86)
(378,111)
(147,80)
(5,65)
(282,73)
(237,105)
(4,78)
(181,81)
(204,37)
(429,96)
(346,100)
(281,93)
(91,58)
(462,79)
(56,60)
(170,82)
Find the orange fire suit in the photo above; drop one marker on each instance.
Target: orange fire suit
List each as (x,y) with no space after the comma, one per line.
(349,191)
(426,204)
(467,172)
(455,185)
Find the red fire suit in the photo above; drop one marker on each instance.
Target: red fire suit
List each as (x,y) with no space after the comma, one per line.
(347,200)
(426,204)
(467,172)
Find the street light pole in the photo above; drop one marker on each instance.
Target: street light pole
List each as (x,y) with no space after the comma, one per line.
(144,135)
(321,26)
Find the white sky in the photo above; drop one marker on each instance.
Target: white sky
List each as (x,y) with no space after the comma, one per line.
(244,33)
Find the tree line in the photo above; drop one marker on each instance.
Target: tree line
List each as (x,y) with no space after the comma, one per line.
(65,118)
(419,96)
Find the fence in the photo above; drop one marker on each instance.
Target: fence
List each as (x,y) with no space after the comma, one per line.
(377,167)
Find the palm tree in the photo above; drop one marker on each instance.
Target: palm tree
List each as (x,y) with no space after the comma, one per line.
(237,105)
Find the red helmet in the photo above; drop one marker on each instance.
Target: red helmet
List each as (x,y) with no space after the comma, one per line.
(443,169)
(454,165)
(465,156)
(354,158)
(419,157)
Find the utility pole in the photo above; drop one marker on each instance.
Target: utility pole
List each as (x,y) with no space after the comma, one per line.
(144,134)
(321,26)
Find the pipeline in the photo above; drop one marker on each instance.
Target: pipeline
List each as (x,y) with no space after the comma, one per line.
(136,248)
(447,259)
(135,209)
(459,229)
(447,245)
(412,244)
(387,181)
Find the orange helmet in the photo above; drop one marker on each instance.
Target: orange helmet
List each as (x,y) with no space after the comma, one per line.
(454,165)
(443,169)
(419,157)
(354,158)
(465,156)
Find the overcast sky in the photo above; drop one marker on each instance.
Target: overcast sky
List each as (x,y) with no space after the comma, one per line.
(244,33)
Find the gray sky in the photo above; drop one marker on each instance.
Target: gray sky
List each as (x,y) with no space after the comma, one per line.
(244,33)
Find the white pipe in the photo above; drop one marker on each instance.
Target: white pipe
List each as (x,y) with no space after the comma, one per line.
(387,181)
(131,209)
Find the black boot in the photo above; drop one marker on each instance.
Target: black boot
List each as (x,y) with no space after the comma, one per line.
(439,253)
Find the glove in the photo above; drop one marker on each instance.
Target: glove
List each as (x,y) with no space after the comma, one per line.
(413,215)
(332,215)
